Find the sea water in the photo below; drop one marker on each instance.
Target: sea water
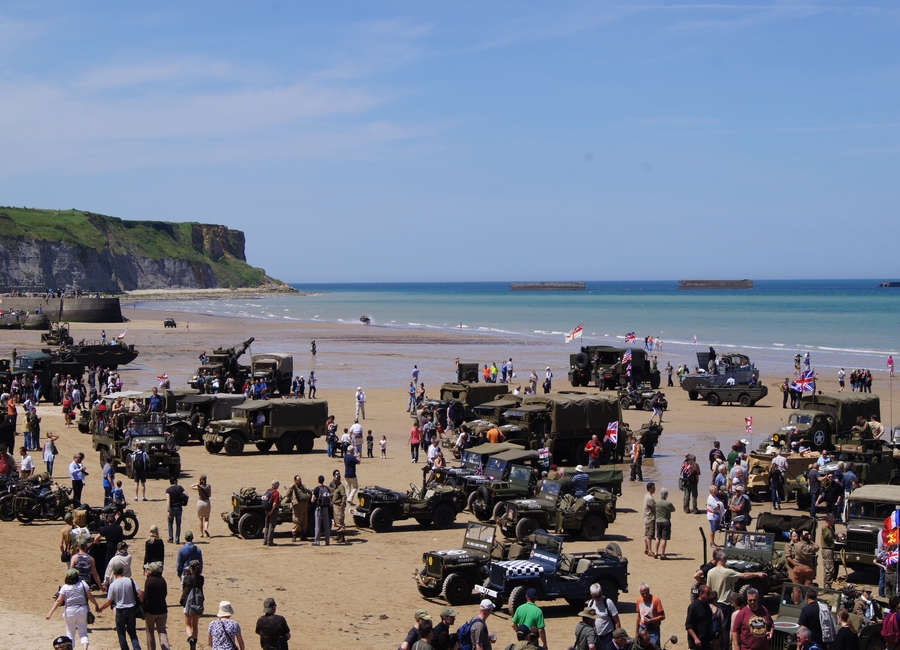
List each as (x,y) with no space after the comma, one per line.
(841,323)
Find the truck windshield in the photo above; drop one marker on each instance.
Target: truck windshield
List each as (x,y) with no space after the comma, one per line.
(800,418)
(495,467)
(749,541)
(870,509)
(23,364)
(470,459)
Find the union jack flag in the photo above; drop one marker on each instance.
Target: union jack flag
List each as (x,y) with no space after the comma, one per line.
(890,558)
(893,522)
(749,422)
(630,337)
(626,358)
(612,433)
(805,383)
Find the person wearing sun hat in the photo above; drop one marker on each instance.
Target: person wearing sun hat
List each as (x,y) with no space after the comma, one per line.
(580,481)
(224,633)
(271,626)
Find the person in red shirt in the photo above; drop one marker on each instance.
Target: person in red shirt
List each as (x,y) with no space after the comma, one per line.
(752,629)
(593,449)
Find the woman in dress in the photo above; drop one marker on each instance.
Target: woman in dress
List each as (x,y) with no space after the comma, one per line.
(204,491)
(192,584)
(225,633)
(74,595)
(50,451)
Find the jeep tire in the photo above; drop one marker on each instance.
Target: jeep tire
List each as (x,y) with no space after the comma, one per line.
(250,525)
(443,516)
(517,598)
(457,589)
(234,445)
(610,590)
(593,527)
(499,509)
(470,502)
(525,527)
(381,520)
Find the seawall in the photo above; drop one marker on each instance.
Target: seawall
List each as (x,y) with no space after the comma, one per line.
(75,310)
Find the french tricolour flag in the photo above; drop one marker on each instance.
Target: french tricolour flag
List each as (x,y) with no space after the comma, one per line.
(893,521)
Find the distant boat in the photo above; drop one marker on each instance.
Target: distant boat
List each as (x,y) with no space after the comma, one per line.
(714,284)
(889,284)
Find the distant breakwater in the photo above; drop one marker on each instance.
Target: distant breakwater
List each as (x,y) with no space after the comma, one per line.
(74,310)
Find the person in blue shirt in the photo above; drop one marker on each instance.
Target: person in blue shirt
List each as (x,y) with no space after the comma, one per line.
(156,402)
(187,553)
(351,460)
(580,482)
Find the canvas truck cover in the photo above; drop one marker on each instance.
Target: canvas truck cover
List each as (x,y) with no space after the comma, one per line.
(290,412)
(572,413)
(845,407)
(283,362)
(473,394)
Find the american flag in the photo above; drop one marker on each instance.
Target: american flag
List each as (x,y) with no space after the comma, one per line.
(626,358)
(694,340)
(630,337)
(612,433)
(892,522)
(749,422)
(890,558)
(575,333)
(805,382)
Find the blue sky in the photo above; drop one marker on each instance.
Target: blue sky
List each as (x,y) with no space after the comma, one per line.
(466,141)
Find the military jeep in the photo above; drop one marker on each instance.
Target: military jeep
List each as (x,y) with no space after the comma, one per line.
(435,505)
(504,481)
(640,398)
(284,423)
(587,516)
(161,449)
(453,573)
(554,574)
(474,460)
(194,412)
(753,552)
(247,517)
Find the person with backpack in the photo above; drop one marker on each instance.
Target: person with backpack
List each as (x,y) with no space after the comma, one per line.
(753,627)
(176,499)
(474,635)
(187,554)
(272,628)
(890,628)
(271,502)
(139,461)
(816,617)
(192,599)
(321,501)
(689,478)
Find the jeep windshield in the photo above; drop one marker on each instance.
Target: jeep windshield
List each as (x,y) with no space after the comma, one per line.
(471,460)
(547,547)
(495,468)
(549,491)
(479,535)
(519,473)
(749,541)
(800,418)
(144,429)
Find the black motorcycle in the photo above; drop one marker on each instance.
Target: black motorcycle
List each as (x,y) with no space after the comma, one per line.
(9,487)
(38,501)
(126,518)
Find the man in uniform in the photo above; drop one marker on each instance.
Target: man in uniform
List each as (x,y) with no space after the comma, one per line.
(828,567)
(339,501)
(804,558)
(298,496)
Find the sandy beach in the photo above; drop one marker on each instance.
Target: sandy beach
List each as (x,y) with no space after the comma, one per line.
(360,593)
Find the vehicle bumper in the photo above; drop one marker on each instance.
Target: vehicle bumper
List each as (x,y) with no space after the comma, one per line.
(486,591)
(213,438)
(425,581)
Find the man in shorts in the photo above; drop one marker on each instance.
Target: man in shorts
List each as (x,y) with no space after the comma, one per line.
(664,510)
(649,519)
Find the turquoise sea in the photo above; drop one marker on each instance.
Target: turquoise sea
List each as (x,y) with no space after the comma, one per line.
(842,323)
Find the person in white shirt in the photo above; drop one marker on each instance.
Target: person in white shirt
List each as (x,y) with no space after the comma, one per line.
(780,462)
(356,434)
(730,381)
(26,466)
(360,403)
(433,450)
(823,459)
(715,511)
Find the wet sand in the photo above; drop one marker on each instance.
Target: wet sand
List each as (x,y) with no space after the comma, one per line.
(334,596)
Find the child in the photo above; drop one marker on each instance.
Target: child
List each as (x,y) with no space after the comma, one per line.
(370,443)
(118,494)
(383,447)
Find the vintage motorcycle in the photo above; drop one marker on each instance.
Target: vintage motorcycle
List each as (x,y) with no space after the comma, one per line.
(95,518)
(36,501)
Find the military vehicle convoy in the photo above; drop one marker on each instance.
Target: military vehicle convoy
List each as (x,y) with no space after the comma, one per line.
(433,505)
(601,366)
(550,510)
(194,412)
(867,508)
(556,575)
(247,516)
(119,439)
(452,574)
(285,423)
(824,420)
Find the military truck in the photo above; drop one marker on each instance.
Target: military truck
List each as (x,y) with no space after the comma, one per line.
(119,441)
(492,414)
(38,364)
(277,370)
(552,511)
(433,505)
(453,573)
(467,396)
(867,508)
(247,516)
(601,366)
(556,575)
(824,420)
(194,412)
(285,423)
(876,463)
(223,362)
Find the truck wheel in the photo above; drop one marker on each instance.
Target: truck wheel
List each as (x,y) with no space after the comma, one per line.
(470,502)
(648,450)
(174,471)
(444,516)
(285,444)
(713,399)
(457,589)
(381,520)
(265,445)
(103,454)
(499,509)
(692,394)
(182,435)
(593,527)
(250,526)
(625,403)
(129,524)
(582,361)
(610,511)
(647,406)
(745,400)
(305,444)
(517,598)
(611,591)
(234,445)
(213,447)
(525,527)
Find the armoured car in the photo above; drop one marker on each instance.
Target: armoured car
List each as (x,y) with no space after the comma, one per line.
(587,516)
(452,574)
(556,575)
(867,508)
(247,516)
(284,423)
(435,505)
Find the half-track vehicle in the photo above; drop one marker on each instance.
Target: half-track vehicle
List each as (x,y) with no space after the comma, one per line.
(285,423)
(194,412)
(119,438)
(867,508)
(556,575)
(276,370)
(452,574)
(825,420)
(431,505)
(587,516)
(247,516)
(222,363)
(601,366)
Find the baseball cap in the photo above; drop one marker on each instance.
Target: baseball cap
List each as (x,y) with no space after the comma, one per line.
(269,606)
(486,604)
(449,611)
(422,613)
(522,631)
(531,593)
(620,633)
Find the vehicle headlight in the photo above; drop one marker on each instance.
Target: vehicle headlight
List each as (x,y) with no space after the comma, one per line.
(362,501)
(234,502)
